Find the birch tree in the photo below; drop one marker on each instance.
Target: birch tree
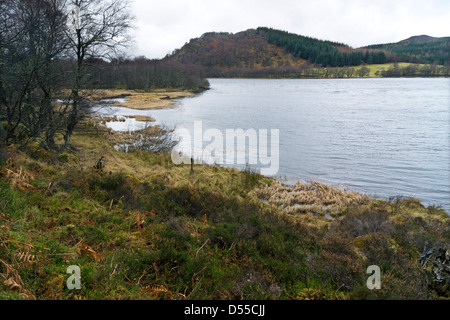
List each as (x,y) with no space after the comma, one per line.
(97,29)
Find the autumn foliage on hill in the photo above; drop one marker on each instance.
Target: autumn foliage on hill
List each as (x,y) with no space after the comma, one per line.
(245,49)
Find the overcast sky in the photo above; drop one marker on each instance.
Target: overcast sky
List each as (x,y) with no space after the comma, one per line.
(165,25)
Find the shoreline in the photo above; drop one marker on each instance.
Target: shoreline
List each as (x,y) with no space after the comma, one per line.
(327,206)
(161,96)
(139,100)
(136,101)
(315,200)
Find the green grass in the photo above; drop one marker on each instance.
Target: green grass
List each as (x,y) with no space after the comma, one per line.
(381,67)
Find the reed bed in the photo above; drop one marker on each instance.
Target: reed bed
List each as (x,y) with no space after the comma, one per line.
(309,198)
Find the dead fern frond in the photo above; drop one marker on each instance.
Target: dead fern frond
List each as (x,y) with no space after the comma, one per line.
(139,221)
(20,178)
(12,281)
(83,248)
(25,258)
(157,291)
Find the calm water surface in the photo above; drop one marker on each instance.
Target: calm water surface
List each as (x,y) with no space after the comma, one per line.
(383,137)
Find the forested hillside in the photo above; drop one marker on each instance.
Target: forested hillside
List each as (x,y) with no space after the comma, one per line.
(269,48)
(319,52)
(419,49)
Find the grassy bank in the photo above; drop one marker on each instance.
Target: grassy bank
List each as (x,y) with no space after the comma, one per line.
(144,228)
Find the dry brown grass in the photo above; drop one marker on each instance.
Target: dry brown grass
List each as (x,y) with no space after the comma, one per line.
(113,119)
(312,200)
(144,167)
(91,148)
(161,292)
(142,118)
(157,99)
(138,100)
(139,118)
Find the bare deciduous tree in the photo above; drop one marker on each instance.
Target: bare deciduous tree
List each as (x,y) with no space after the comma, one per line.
(41,53)
(31,43)
(99,30)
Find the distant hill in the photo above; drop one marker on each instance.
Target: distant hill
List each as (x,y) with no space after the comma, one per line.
(420,38)
(270,52)
(419,49)
(247,49)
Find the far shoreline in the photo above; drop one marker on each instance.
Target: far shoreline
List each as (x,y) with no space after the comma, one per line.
(140,100)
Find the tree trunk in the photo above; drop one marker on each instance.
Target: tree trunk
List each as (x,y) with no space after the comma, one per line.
(74,113)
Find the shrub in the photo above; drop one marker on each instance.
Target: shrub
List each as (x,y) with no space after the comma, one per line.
(37,152)
(4,155)
(68,158)
(114,187)
(359,221)
(337,262)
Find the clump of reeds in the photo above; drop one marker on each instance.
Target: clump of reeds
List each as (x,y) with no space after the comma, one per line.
(313,197)
(151,138)
(112,119)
